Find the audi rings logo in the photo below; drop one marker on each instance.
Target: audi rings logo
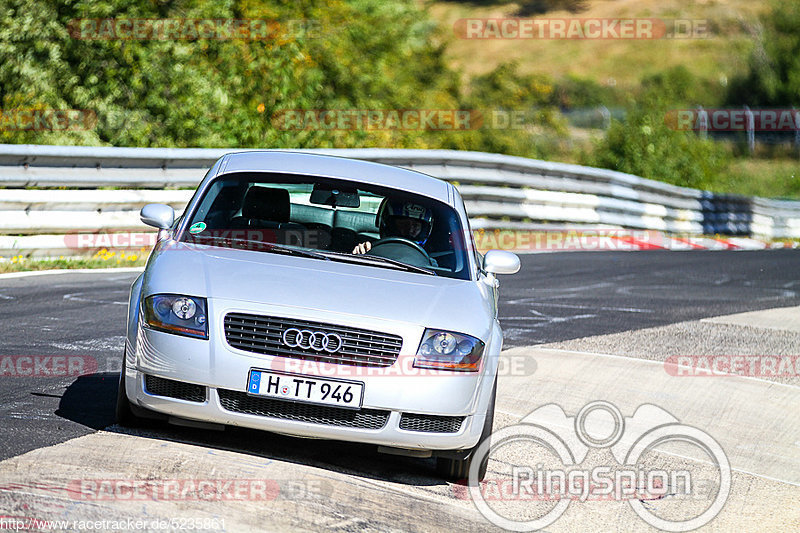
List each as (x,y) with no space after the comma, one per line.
(306,339)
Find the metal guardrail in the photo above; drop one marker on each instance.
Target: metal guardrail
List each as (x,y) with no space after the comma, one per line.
(103,188)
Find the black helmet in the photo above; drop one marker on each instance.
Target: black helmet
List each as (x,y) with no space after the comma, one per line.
(392,212)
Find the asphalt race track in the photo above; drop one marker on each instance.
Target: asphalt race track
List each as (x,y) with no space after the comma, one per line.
(556,297)
(610,314)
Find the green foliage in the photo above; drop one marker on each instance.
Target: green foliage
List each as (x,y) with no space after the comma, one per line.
(518,115)
(506,87)
(349,55)
(646,144)
(539,7)
(362,54)
(773,77)
(573,92)
(357,55)
(678,87)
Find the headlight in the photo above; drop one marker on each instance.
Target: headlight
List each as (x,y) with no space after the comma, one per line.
(446,350)
(173,313)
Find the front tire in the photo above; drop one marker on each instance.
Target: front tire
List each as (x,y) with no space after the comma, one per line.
(458,469)
(125,411)
(125,416)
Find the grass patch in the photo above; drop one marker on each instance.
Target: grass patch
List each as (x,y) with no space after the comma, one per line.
(617,62)
(769,178)
(102,259)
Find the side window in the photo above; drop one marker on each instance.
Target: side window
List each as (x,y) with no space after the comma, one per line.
(208,200)
(470,241)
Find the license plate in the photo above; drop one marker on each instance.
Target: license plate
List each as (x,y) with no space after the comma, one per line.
(308,389)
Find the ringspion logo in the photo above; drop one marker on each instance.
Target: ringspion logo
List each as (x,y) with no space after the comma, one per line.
(540,468)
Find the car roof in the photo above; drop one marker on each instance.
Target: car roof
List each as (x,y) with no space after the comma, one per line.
(304,163)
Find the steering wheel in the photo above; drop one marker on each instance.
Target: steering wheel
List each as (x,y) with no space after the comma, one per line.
(417,252)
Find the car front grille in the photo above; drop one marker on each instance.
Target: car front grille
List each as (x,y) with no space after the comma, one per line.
(431,423)
(264,335)
(174,389)
(239,402)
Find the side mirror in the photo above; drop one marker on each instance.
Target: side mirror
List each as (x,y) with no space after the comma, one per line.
(500,262)
(158,215)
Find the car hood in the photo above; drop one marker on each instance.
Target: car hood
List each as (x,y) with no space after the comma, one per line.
(331,286)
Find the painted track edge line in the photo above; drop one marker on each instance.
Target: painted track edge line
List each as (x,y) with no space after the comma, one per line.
(29,273)
(650,361)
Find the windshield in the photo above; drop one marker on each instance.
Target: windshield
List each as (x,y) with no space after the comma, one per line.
(323,218)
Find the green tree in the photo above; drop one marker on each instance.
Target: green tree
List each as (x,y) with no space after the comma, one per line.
(773,76)
(359,54)
(645,144)
(518,115)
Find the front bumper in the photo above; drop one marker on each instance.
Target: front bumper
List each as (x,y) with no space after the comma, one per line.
(396,390)
(216,408)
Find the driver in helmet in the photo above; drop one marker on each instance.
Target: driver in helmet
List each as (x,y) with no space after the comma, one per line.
(406,220)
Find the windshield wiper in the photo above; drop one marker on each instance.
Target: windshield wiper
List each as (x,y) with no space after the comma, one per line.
(365,258)
(277,248)
(260,246)
(268,247)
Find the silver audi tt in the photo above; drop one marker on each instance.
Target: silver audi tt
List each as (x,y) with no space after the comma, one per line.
(319,296)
